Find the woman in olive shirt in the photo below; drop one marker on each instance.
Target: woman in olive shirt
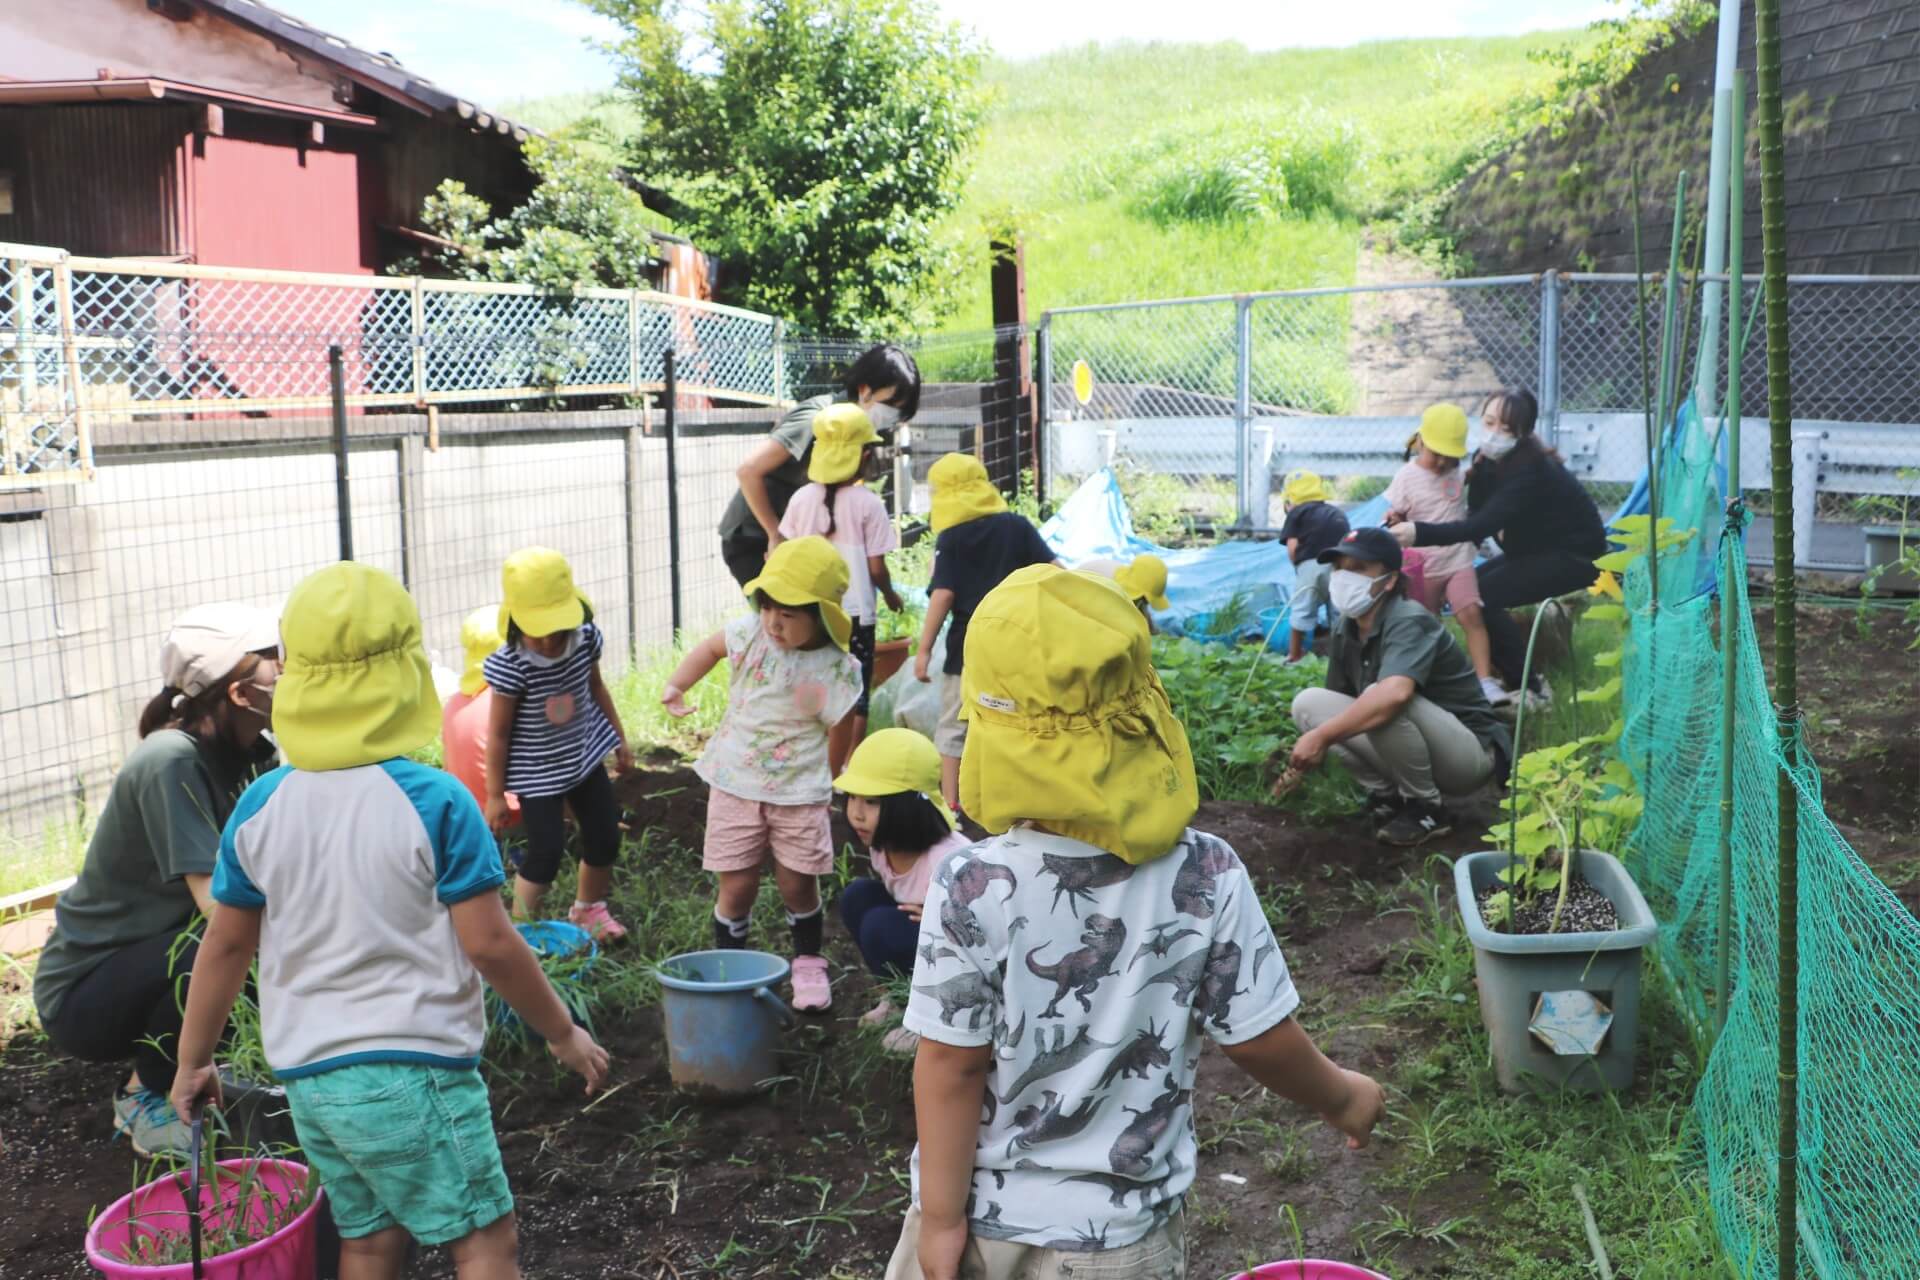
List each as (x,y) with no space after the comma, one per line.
(885,382)
(111,982)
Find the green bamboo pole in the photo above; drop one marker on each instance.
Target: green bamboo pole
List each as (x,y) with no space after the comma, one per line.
(1663,416)
(1729,669)
(1773,234)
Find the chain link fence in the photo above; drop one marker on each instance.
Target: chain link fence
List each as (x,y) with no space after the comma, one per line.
(1203,404)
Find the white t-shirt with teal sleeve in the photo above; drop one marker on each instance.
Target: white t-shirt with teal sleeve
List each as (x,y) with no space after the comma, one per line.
(354,872)
(1093,981)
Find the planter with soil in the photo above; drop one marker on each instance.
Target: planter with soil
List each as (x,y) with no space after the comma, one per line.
(1562,1009)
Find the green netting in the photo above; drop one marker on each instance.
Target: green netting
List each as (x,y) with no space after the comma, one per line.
(1859,982)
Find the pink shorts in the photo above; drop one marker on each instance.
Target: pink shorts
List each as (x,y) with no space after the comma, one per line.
(741,833)
(1460,589)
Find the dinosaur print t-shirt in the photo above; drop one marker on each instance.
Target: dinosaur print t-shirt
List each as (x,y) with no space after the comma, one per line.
(1092,980)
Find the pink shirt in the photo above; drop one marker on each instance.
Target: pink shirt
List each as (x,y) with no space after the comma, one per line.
(861,528)
(464,725)
(1432,497)
(910,886)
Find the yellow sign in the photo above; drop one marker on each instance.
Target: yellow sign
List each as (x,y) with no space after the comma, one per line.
(1082,381)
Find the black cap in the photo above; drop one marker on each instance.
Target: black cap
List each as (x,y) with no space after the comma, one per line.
(1370,543)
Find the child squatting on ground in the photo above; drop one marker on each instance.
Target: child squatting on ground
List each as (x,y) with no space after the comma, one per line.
(466,719)
(977,543)
(552,727)
(1431,488)
(892,786)
(770,790)
(838,506)
(1312,525)
(369,886)
(1072,963)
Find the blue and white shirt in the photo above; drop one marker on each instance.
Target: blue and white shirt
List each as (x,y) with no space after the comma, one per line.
(560,735)
(354,871)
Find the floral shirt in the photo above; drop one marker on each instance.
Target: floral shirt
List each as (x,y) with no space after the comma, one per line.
(772,744)
(1093,981)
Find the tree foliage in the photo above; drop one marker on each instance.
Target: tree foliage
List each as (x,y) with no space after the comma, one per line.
(581,227)
(812,145)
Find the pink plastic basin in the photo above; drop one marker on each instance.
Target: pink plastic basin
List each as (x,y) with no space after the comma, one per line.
(1309,1269)
(160,1207)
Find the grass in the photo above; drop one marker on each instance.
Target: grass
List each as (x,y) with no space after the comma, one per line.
(54,854)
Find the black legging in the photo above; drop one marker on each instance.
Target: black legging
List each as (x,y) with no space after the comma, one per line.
(129,1006)
(1507,582)
(543,818)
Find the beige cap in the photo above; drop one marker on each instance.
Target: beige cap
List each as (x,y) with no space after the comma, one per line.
(207,642)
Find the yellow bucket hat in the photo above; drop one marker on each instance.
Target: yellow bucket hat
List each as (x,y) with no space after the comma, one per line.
(1303,486)
(841,432)
(1145,579)
(537,584)
(479,637)
(356,687)
(961,491)
(892,761)
(1443,429)
(1068,726)
(807,571)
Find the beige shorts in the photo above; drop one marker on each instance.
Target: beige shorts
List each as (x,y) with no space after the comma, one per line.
(1161,1254)
(1459,589)
(950,735)
(741,833)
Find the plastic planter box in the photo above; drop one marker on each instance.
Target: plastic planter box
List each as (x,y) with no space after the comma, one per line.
(1515,970)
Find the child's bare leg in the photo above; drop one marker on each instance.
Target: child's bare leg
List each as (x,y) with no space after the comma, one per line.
(527,898)
(950,781)
(1296,644)
(1479,648)
(595,882)
(491,1253)
(379,1256)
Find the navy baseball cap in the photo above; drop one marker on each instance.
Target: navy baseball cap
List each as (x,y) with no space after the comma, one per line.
(1372,543)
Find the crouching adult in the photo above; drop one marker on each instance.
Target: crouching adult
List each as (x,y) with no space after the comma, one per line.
(1402,707)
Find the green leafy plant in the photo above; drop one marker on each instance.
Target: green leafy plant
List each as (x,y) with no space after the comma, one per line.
(1564,798)
(249,1213)
(900,624)
(567,974)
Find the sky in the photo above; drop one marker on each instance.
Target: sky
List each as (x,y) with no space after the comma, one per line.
(494,51)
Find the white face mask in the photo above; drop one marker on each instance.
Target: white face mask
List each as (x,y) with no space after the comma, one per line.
(1498,444)
(1350,592)
(884,417)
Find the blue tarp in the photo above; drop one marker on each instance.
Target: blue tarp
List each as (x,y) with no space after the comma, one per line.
(1094,524)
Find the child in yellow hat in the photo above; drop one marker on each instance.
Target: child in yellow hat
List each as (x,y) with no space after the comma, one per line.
(1431,489)
(838,506)
(1312,525)
(553,724)
(369,887)
(978,542)
(769,788)
(892,786)
(1095,918)
(466,719)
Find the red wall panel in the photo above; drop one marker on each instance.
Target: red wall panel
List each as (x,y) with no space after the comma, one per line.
(262,202)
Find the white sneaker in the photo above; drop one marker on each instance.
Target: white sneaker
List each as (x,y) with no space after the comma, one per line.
(1542,698)
(1496,692)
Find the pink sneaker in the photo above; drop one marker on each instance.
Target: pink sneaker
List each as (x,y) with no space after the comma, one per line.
(812,993)
(597,920)
(879,1014)
(901,1043)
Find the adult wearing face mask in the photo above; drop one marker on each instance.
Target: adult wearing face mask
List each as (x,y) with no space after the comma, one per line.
(111,981)
(1402,707)
(884,382)
(1522,496)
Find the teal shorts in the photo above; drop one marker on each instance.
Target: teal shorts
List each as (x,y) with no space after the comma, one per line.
(402,1144)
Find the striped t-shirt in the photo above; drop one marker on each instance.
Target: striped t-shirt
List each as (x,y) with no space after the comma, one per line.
(559,732)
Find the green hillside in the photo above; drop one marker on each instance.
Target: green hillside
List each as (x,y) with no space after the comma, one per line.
(1161,170)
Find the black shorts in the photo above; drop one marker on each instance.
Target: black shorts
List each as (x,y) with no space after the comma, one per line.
(860,645)
(745,559)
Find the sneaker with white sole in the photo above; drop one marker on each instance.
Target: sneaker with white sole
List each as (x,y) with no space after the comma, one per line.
(812,990)
(596,920)
(1415,824)
(1497,694)
(901,1042)
(151,1124)
(879,1014)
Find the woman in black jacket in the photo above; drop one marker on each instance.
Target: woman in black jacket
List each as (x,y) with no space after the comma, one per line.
(1521,495)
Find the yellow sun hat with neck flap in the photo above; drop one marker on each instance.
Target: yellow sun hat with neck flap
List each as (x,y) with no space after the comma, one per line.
(961,492)
(891,761)
(479,638)
(1303,486)
(357,687)
(1145,579)
(841,434)
(540,598)
(1068,726)
(804,571)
